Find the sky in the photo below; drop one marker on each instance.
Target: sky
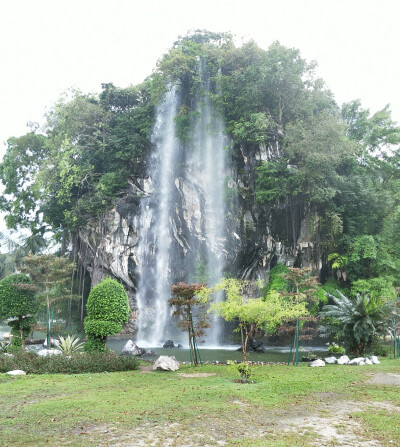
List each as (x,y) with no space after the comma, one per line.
(49,46)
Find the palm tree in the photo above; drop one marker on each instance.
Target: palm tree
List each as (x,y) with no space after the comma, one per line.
(358,321)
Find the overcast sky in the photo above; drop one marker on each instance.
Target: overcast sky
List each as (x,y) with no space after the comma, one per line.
(48,46)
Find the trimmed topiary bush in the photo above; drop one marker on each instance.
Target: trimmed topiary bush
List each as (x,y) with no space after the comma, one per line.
(107,308)
(17,300)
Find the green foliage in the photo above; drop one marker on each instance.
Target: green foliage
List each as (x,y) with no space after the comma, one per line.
(359,321)
(334,348)
(107,308)
(18,301)
(17,297)
(263,313)
(243,369)
(276,281)
(69,345)
(78,363)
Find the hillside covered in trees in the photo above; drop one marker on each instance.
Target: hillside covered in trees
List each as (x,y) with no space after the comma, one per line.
(305,181)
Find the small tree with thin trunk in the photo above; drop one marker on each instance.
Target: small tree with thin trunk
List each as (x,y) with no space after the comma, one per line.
(18,301)
(184,301)
(252,313)
(302,288)
(49,273)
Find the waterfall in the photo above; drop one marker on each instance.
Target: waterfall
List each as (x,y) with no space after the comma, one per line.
(209,155)
(154,226)
(187,179)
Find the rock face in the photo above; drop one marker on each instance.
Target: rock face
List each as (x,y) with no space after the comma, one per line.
(255,237)
(166,363)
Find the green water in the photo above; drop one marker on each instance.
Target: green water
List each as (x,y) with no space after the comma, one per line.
(273,355)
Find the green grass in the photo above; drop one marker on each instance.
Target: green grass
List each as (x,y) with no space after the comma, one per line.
(104,409)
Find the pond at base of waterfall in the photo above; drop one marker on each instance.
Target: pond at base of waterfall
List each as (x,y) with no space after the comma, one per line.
(276,354)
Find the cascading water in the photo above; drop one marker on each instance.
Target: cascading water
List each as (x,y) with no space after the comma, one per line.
(155,239)
(209,155)
(170,244)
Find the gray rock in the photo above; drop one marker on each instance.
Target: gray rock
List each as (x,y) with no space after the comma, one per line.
(343,360)
(330,360)
(150,353)
(317,363)
(360,361)
(166,363)
(132,348)
(180,346)
(169,344)
(16,372)
(374,359)
(367,361)
(46,352)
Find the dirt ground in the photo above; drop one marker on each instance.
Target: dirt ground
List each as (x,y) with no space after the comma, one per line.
(331,423)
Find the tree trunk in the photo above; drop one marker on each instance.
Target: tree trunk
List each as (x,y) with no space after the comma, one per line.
(21,332)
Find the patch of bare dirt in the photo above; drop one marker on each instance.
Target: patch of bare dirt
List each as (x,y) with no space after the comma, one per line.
(196,375)
(385,379)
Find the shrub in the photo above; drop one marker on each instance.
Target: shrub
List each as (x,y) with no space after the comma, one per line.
(69,345)
(17,300)
(107,308)
(336,349)
(359,321)
(78,363)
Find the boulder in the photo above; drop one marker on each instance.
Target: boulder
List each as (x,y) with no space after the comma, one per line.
(330,360)
(367,361)
(317,363)
(132,348)
(180,346)
(374,359)
(150,353)
(46,352)
(343,360)
(357,361)
(166,363)
(16,372)
(169,344)
(255,345)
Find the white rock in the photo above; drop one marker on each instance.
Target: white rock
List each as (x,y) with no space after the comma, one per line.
(374,359)
(367,361)
(53,341)
(132,348)
(357,361)
(46,352)
(343,360)
(7,336)
(16,372)
(166,363)
(330,360)
(317,363)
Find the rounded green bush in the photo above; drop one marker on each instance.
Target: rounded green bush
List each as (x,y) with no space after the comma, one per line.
(107,308)
(17,300)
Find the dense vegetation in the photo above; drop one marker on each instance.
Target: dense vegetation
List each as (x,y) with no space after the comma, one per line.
(340,164)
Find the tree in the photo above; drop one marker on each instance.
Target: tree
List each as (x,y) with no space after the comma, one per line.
(17,300)
(301,289)
(184,301)
(49,273)
(252,313)
(107,308)
(358,321)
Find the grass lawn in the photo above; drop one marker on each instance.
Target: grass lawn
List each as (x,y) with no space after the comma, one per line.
(285,406)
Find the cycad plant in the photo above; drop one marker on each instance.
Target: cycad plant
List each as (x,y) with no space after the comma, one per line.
(358,321)
(70,345)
